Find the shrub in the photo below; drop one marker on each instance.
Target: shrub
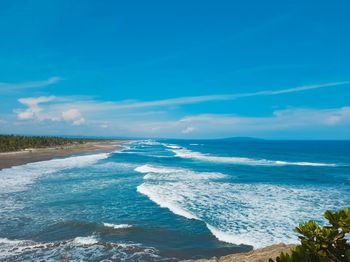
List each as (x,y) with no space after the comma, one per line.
(322,244)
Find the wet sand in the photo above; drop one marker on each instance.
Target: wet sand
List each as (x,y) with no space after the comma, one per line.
(22,157)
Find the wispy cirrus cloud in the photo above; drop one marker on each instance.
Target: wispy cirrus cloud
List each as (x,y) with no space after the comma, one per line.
(218,97)
(6,87)
(132,118)
(316,121)
(95,106)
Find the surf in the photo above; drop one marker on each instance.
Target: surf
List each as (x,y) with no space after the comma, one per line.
(185,153)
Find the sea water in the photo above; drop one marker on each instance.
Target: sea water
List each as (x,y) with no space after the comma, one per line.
(165,200)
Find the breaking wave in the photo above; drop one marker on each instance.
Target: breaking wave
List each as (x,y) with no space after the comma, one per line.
(253,214)
(257,215)
(18,178)
(175,174)
(117,226)
(185,153)
(88,248)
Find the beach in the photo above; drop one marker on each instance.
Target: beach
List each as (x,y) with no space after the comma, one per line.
(9,159)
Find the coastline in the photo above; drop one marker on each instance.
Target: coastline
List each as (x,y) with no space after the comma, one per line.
(16,158)
(258,255)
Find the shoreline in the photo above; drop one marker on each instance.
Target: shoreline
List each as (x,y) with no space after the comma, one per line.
(17,158)
(258,255)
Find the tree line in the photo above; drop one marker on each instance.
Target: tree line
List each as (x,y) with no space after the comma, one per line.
(10,143)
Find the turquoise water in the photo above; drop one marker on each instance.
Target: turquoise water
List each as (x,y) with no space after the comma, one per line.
(169,199)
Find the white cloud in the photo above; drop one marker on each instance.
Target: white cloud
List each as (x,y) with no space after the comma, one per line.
(188,130)
(299,88)
(34,111)
(73,115)
(319,122)
(287,119)
(98,106)
(5,87)
(79,121)
(287,123)
(91,105)
(129,118)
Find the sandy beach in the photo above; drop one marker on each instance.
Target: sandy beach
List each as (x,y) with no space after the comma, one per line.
(22,157)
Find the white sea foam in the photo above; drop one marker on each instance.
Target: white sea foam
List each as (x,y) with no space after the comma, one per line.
(230,238)
(17,178)
(185,153)
(252,214)
(175,174)
(153,169)
(77,249)
(153,194)
(117,226)
(172,146)
(148,142)
(6,241)
(90,240)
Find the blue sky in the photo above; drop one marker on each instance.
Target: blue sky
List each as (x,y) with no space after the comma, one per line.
(185,69)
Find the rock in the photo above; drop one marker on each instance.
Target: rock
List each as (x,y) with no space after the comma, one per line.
(258,255)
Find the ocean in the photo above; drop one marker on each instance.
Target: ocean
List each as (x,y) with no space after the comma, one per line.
(165,200)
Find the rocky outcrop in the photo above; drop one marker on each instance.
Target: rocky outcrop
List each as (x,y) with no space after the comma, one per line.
(258,255)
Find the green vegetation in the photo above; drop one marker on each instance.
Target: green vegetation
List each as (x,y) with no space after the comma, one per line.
(322,244)
(10,143)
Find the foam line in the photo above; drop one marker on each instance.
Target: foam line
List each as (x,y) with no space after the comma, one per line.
(87,248)
(17,178)
(117,226)
(164,203)
(175,174)
(185,153)
(253,214)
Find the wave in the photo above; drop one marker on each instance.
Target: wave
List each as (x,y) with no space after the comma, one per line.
(229,238)
(175,174)
(172,146)
(147,142)
(117,226)
(90,240)
(242,238)
(252,214)
(87,248)
(157,198)
(185,153)
(153,169)
(18,178)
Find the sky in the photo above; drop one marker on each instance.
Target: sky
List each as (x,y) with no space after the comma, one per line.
(175,69)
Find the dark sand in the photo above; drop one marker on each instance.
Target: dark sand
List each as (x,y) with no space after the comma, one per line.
(10,159)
